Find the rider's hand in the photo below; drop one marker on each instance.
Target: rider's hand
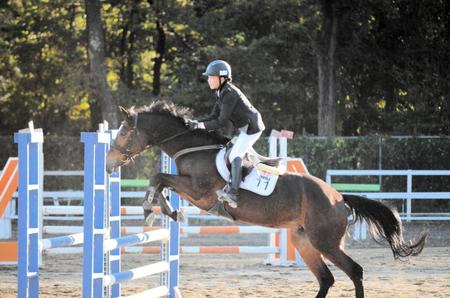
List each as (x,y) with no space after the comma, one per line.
(194,124)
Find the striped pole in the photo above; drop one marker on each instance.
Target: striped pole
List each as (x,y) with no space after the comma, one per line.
(60,241)
(206,249)
(124,210)
(183,230)
(136,273)
(30,191)
(183,250)
(141,238)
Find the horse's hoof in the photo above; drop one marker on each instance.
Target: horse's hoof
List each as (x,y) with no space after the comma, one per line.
(181,217)
(150,194)
(147,205)
(231,203)
(150,219)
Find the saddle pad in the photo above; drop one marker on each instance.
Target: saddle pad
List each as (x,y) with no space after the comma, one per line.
(256,181)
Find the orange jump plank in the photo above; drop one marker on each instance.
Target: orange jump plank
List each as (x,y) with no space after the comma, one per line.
(8,252)
(9,181)
(296,166)
(219,230)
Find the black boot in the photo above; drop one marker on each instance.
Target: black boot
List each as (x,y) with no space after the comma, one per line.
(232,194)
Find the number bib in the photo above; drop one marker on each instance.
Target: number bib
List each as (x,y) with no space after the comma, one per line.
(256,181)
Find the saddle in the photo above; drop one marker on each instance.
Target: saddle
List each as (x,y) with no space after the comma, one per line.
(260,174)
(254,159)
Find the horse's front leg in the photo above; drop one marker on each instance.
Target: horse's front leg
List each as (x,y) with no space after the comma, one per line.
(154,195)
(166,208)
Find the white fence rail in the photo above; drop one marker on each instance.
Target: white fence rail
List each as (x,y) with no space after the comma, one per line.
(408,195)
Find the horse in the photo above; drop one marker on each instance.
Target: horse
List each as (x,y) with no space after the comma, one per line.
(315,212)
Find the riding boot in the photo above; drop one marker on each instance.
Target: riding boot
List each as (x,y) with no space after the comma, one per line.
(232,194)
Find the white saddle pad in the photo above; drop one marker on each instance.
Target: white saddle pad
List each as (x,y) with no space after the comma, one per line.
(256,181)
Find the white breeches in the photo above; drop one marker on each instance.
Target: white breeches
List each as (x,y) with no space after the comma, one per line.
(243,143)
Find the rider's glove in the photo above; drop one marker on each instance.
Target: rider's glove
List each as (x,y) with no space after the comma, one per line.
(194,124)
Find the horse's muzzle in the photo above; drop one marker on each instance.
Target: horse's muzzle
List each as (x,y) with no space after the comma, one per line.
(110,166)
(112,161)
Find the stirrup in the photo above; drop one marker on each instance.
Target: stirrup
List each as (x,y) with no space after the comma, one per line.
(223,195)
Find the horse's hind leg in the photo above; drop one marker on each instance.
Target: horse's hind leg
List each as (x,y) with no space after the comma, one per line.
(350,267)
(313,259)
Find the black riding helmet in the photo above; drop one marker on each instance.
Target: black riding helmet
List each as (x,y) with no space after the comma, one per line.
(218,68)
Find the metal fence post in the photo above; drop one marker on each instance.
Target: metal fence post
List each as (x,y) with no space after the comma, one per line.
(408,199)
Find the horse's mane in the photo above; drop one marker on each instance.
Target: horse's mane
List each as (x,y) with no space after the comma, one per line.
(181,113)
(165,107)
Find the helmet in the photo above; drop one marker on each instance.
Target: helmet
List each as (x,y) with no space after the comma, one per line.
(218,68)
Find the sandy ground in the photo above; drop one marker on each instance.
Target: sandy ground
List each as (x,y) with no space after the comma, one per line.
(226,276)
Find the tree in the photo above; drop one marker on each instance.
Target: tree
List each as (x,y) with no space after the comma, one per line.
(316,67)
(160,48)
(102,99)
(325,48)
(392,74)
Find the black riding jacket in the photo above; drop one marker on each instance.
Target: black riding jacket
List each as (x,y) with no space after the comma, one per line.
(232,105)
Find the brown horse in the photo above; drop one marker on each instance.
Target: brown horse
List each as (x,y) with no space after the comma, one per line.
(312,209)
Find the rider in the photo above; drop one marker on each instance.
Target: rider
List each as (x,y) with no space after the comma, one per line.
(231,105)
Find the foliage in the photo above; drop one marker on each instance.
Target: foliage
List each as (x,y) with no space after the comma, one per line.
(391,61)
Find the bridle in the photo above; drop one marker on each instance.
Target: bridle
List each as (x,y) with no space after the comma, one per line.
(126,150)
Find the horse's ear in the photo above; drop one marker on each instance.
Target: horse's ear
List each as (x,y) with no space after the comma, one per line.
(125,112)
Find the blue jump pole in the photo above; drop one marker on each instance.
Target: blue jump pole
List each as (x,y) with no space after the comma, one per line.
(61,241)
(95,196)
(102,211)
(30,192)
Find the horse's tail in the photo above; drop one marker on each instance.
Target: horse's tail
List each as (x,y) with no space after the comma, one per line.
(384,223)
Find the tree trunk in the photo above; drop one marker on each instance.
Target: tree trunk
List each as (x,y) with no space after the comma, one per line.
(159,59)
(160,47)
(127,45)
(102,101)
(325,54)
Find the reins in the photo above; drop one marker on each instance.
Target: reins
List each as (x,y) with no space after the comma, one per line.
(188,150)
(174,136)
(195,149)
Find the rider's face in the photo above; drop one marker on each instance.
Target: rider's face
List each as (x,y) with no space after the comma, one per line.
(214,82)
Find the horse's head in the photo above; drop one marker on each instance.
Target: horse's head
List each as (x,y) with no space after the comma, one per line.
(161,124)
(128,143)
